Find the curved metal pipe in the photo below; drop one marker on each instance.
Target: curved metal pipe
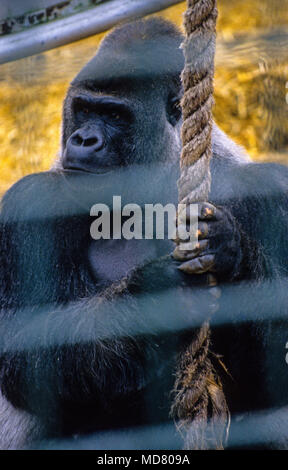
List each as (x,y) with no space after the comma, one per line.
(95,20)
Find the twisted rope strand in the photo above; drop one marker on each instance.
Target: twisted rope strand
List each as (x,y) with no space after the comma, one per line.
(199,406)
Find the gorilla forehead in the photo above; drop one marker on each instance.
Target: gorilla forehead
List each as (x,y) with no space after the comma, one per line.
(144,50)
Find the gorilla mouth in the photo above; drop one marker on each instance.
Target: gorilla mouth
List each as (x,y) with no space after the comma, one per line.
(84,170)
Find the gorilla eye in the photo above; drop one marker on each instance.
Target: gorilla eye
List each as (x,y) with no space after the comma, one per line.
(81,109)
(173,110)
(115,115)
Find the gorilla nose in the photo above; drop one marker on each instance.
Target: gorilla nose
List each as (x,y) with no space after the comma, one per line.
(88,138)
(85,150)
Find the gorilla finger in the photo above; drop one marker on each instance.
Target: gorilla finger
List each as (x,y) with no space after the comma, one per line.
(207,211)
(183,255)
(198,265)
(183,234)
(202,231)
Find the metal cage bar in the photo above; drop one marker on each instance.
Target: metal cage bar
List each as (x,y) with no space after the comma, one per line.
(102,17)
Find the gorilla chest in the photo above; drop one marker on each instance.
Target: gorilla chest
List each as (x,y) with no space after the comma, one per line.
(111,260)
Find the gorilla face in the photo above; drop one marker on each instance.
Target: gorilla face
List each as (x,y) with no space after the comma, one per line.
(103,133)
(123,107)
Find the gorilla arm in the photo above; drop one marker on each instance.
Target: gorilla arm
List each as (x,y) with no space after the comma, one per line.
(242,232)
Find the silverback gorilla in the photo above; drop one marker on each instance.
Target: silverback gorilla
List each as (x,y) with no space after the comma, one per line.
(91,329)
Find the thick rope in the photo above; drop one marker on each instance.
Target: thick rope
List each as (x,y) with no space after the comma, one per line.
(197,78)
(199,406)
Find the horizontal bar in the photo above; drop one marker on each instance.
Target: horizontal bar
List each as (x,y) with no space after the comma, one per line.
(95,20)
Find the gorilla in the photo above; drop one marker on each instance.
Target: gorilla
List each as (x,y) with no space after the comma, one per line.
(91,330)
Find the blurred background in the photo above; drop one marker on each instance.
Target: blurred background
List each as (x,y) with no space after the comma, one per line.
(251,88)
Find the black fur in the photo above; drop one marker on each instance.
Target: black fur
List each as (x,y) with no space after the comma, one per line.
(80,364)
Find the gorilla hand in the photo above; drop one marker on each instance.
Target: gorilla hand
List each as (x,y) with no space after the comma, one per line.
(219,243)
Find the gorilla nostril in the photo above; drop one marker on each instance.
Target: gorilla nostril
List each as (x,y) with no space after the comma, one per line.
(77,140)
(91,141)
